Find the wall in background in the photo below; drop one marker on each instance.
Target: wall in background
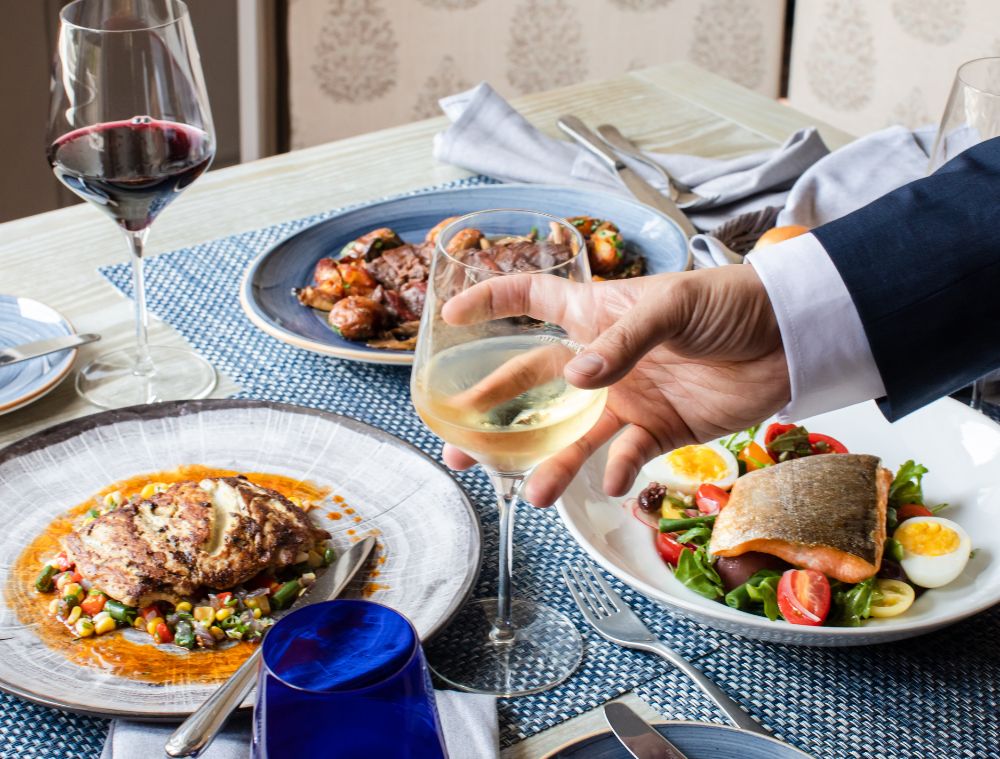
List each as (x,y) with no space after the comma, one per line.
(27,41)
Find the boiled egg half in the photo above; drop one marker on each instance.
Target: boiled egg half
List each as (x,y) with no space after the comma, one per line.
(685,469)
(935,550)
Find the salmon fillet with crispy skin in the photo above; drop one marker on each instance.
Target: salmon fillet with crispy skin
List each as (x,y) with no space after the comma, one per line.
(823,512)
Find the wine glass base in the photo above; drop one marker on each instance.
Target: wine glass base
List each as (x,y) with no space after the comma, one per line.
(545,650)
(111,379)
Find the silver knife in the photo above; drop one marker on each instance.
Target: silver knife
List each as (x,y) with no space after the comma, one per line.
(639,187)
(27,351)
(197,731)
(635,734)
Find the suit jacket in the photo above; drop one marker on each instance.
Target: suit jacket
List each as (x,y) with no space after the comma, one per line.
(922,265)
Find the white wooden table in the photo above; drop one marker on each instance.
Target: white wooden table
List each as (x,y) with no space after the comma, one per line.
(54,256)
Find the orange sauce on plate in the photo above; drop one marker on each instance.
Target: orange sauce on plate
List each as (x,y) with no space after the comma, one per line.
(111,652)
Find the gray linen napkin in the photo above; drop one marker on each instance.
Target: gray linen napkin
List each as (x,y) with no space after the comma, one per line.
(489,137)
(468,721)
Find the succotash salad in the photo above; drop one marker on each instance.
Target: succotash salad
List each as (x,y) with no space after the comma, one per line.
(243,613)
(921,550)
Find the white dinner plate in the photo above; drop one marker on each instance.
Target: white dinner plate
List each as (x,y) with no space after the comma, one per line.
(959,446)
(427,530)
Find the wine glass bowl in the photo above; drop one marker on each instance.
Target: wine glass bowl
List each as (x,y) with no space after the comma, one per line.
(129,129)
(496,390)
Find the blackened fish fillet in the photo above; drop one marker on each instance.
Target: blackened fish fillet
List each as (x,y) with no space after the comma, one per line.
(824,512)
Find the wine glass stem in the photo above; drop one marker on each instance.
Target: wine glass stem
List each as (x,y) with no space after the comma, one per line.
(507,489)
(136,243)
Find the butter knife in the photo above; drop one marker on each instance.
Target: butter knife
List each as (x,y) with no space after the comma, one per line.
(18,353)
(641,739)
(199,730)
(639,187)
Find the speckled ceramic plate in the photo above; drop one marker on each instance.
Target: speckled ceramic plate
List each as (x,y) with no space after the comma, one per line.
(427,528)
(697,740)
(23,320)
(959,446)
(266,291)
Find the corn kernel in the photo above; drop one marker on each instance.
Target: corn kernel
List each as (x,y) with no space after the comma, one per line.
(105,625)
(84,628)
(101,615)
(114,500)
(295,501)
(148,491)
(151,625)
(139,623)
(222,613)
(73,590)
(74,615)
(54,606)
(183,606)
(204,613)
(256,613)
(259,602)
(217,632)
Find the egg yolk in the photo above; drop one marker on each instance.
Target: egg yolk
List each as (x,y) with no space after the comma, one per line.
(927,538)
(698,462)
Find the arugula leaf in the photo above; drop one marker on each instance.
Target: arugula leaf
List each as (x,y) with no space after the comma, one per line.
(758,595)
(739,440)
(699,535)
(906,487)
(695,571)
(794,442)
(852,604)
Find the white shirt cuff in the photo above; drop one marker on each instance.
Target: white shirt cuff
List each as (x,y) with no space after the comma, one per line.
(830,363)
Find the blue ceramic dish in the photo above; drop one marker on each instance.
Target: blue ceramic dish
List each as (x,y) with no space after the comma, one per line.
(266,291)
(696,740)
(23,320)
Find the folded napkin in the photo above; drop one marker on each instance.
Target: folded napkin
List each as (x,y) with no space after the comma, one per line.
(468,721)
(489,137)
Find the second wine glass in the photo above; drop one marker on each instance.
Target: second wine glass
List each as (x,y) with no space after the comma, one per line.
(496,390)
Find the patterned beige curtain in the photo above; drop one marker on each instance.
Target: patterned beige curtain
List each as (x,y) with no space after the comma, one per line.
(359,65)
(863,65)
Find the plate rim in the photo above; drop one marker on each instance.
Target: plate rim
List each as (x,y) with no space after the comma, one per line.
(61,371)
(400,358)
(821,635)
(664,722)
(63,431)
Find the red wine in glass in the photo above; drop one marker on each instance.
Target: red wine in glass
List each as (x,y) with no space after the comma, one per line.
(131,169)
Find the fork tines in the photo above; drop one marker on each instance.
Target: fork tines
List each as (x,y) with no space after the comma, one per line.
(591,592)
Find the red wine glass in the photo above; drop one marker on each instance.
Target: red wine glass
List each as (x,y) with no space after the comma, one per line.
(129,129)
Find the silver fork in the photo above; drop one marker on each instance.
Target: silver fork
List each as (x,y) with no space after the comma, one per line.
(613,619)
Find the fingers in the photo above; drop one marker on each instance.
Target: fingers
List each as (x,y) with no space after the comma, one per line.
(517,375)
(540,296)
(456,459)
(554,475)
(630,450)
(657,317)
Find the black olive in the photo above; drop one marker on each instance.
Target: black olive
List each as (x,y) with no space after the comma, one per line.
(651,498)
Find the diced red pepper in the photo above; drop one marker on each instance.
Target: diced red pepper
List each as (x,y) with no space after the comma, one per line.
(93,603)
(150,612)
(62,562)
(224,598)
(163,634)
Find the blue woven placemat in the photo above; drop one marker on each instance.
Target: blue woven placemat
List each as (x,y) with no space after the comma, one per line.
(941,690)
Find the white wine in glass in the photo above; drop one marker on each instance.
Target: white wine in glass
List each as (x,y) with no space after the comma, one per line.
(496,390)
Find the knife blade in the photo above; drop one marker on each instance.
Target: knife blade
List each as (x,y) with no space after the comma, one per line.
(639,187)
(17,353)
(636,735)
(199,730)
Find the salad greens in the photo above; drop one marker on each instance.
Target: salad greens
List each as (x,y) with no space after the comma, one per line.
(739,440)
(758,595)
(695,571)
(852,604)
(795,441)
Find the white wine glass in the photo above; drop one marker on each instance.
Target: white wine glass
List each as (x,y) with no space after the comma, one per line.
(496,390)
(129,129)
(971,116)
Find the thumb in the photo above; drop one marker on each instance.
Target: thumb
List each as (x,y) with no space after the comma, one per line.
(657,317)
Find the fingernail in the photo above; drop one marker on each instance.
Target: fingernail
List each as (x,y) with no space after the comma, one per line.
(587,363)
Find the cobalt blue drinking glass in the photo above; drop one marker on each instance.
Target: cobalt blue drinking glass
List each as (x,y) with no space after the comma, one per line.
(347,679)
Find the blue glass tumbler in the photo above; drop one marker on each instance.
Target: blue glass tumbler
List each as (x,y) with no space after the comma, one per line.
(345,679)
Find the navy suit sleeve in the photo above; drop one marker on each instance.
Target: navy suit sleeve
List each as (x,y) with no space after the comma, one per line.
(922,265)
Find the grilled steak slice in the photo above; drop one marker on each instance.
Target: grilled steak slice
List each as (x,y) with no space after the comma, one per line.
(215,533)
(397,266)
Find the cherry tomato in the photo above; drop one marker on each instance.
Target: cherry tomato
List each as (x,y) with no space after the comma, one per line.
(909,510)
(668,547)
(826,444)
(150,612)
(755,457)
(93,603)
(804,596)
(711,499)
(62,562)
(163,634)
(224,598)
(776,430)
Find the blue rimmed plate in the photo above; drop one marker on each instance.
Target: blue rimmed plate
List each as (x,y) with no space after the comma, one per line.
(696,740)
(266,291)
(23,320)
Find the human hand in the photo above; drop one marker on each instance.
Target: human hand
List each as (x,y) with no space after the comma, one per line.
(689,357)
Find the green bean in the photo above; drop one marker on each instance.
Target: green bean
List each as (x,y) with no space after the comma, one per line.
(120,612)
(894,548)
(676,525)
(43,583)
(284,595)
